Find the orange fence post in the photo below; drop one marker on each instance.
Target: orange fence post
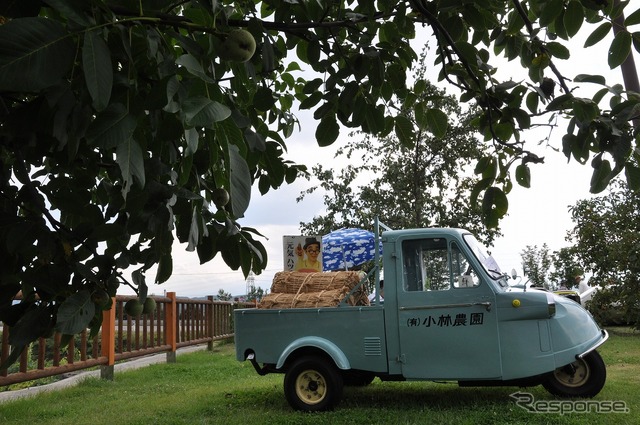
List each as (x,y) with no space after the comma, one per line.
(209,324)
(109,341)
(170,323)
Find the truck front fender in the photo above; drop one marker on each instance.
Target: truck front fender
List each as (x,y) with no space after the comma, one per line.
(325,345)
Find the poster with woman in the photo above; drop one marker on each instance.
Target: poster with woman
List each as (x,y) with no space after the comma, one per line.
(302,253)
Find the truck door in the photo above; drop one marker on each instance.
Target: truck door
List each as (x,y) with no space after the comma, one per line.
(446,313)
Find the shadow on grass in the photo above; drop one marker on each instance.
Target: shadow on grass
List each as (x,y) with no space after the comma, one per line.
(389,396)
(446,396)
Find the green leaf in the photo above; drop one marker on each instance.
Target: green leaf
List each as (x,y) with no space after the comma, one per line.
(598,34)
(479,187)
(313,52)
(494,206)
(312,86)
(420,115)
(165,268)
(207,249)
(396,76)
(437,122)
(107,231)
(632,19)
(503,130)
(523,118)
(561,102)
(200,111)
(246,259)
(600,94)
(552,9)
(240,181)
(636,41)
(568,141)
(327,131)
(140,282)
(620,49)
(404,130)
(532,102)
(483,164)
(256,249)
(232,256)
(35,53)
(587,78)
(16,351)
(75,313)
(33,320)
(130,159)
(111,127)
(375,119)
(469,52)
(72,10)
(580,146)
(98,70)
(633,176)
(601,175)
(585,110)
(523,175)
(558,50)
(515,23)
(573,17)
(192,137)
(311,101)
(263,100)
(196,228)
(193,67)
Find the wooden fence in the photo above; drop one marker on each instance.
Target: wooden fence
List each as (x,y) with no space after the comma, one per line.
(177,322)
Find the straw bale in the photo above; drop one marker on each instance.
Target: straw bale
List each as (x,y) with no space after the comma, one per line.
(305,300)
(300,282)
(309,290)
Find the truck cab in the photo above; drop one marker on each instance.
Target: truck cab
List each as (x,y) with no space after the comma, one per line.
(448,314)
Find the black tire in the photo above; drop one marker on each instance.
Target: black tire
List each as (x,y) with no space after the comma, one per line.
(313,384)
(583,378)
(357,378)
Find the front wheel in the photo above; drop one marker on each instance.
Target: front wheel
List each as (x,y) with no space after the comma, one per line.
(313,384)
(583,378)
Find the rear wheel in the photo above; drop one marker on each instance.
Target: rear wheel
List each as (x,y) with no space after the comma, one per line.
(313,384)
(583,378)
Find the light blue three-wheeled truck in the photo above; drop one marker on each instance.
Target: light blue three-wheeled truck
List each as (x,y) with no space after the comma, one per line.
(448,315)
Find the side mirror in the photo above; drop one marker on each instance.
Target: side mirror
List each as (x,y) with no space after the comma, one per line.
(514,274)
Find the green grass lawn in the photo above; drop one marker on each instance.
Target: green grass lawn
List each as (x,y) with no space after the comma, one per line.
(213,388)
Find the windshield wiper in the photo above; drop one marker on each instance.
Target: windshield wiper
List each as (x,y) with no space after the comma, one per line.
(497,272)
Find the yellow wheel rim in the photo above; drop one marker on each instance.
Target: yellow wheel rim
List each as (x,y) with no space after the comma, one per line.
(311,387)
(573,375)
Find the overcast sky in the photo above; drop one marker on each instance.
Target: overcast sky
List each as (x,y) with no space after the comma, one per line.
(536,216)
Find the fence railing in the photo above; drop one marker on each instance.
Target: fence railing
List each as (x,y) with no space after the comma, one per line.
(176,323)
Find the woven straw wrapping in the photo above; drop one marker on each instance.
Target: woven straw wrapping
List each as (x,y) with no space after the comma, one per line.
(309,290)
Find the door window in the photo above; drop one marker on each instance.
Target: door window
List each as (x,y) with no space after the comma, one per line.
(463,274)
(435,265)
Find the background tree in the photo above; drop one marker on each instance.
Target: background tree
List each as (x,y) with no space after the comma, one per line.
(566,266)
(224,296)
(127,123)
(255,294)
(417,180)
(606,236)
(536,263)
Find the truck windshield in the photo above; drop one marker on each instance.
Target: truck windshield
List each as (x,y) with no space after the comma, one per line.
(487,261)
